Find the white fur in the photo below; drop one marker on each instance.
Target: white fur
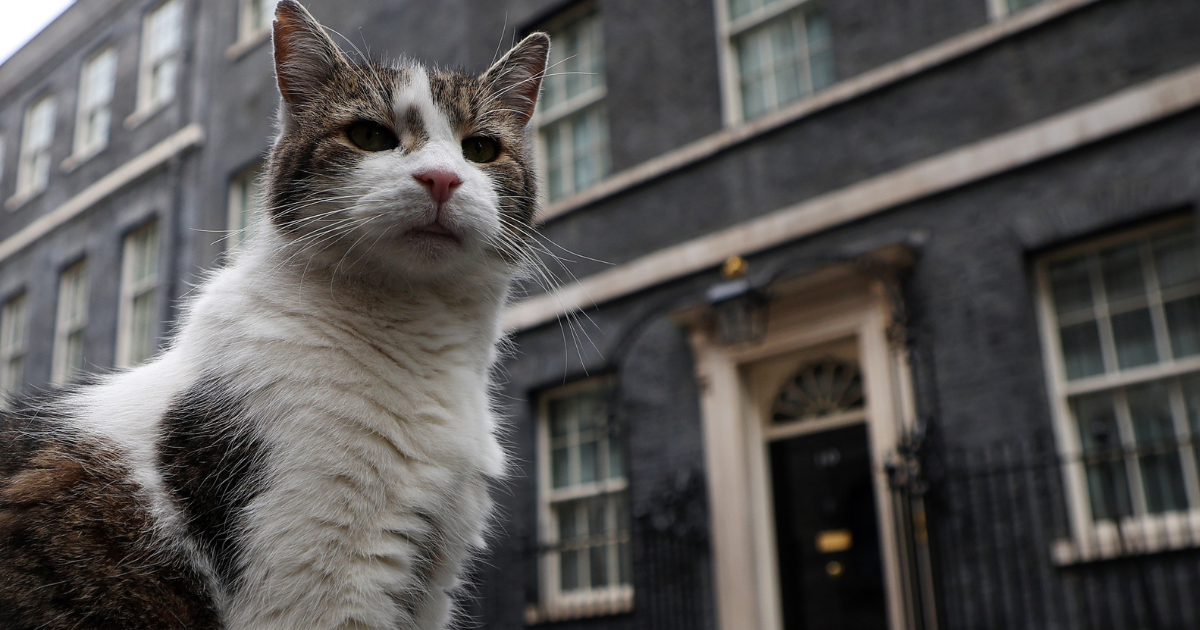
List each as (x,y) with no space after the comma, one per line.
(369,396)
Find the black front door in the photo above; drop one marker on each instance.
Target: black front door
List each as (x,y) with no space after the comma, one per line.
(830,569)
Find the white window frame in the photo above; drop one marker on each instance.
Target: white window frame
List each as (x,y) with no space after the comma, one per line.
(1140,533)
(85,146)
(34,155)
(727,31)
(247,29)
(147,102)
(245,206)
(70,320)
(132,288)
(249,34)
(553,603)
(13,343)
(593,98)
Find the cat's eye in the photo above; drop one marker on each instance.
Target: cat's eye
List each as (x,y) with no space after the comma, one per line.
(370,136)
(480,149)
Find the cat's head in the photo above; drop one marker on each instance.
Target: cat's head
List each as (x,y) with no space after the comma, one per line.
(399,168)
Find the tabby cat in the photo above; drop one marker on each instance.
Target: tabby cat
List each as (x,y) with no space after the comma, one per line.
(313,449)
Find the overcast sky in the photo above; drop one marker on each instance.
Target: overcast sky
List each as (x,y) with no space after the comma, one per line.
(20,20)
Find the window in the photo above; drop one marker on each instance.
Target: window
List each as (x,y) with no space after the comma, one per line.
(162,48)
(33,166)
(93,119)
(1122,321)
(14,337)
(780,51)
(584,504)
(70,323)
(1004,8)
(571,120)
(137,337)
(254,18)
(244,205)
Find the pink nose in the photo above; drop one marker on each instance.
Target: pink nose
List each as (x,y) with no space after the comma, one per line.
(441,184)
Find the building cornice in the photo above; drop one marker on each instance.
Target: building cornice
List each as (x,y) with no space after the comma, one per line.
(178,142)
(1124,110)
(841,92)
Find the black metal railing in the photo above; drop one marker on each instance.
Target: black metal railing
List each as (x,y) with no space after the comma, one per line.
(1006,553)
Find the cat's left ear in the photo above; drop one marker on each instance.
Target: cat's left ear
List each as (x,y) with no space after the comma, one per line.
(305,57)
(517,77)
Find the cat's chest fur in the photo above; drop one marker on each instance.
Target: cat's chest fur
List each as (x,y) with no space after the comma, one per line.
(376,442)
(325,462)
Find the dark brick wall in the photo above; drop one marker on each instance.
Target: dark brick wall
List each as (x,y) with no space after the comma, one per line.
(1064,64)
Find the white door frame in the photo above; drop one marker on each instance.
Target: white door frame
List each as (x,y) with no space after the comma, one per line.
(836,303)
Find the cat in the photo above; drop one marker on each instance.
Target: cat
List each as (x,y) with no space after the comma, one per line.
(314,447)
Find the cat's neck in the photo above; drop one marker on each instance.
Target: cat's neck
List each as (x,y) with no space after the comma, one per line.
(267,293)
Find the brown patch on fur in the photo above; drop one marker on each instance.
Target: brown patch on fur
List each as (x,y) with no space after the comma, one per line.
(413,134)
(77,545)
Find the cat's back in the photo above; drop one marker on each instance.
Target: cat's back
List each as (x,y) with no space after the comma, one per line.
(77,545)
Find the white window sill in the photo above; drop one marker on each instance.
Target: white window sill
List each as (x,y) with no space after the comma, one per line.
(75,160)
(1135,537)
(15,202)
(597,603)
(135,120)
(239,48)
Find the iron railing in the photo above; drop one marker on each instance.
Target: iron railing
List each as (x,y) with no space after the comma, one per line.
(1006,554)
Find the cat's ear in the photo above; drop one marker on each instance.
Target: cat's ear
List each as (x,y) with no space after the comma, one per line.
(517,77)
(305,57)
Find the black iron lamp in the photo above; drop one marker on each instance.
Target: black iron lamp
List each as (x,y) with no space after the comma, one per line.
(741,309)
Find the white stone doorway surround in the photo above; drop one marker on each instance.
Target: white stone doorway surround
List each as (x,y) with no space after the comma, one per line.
(847,309)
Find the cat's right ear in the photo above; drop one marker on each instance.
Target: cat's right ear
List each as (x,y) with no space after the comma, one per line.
(305,57)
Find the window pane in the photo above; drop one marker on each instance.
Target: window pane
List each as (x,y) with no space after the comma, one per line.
(14,374)
(1133,334)
(1108,487)
(598,562)
(73,356)
(738,8)
(1017,5)
(576,61)
(70,322)
(1153,426)
(782,60)
(1071,286)
(1097,422)
(562,415)
(1183,322)
(1176,259)
(567,528)
(587,462)
(1122,271)
(162,82)
(588,147)
(560,466)
(569,570)
(552,140)
(1150,412)
(616,465)
(143,338)
(1081,350)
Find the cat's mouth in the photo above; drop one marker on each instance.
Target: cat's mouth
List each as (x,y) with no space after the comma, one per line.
(437,231)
